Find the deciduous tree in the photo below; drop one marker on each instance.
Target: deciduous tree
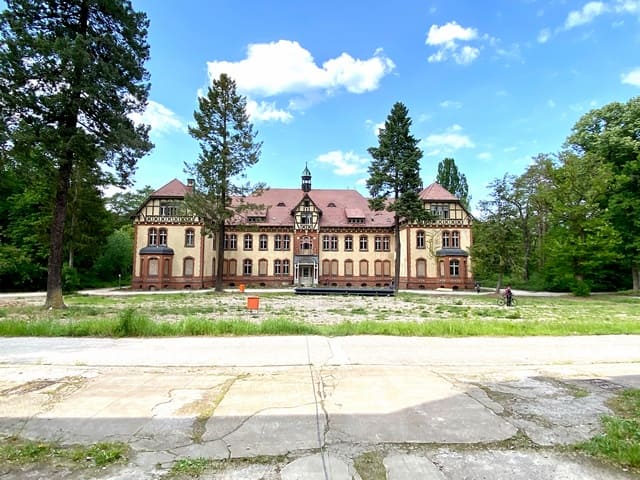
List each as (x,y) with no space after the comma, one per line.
(454,181)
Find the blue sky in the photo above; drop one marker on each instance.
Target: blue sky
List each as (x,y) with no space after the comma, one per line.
(488,83)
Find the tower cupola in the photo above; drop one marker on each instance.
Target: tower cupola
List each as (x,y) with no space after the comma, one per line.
(306,179)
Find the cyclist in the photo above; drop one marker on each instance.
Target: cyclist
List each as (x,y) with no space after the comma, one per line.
(508,295)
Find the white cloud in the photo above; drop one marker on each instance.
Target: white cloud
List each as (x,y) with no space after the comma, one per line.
(586,15)
(449,34)
(485,156)
(375,127)
(451,140)
(627,6)
(632,77)
(161,119)
(544,35)
(285,67)
(344,163)
(447,39)
(451,104)
(267,111)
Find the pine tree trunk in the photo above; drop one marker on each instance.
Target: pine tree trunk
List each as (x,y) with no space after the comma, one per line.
(56,243)
(396,282)
(220,258)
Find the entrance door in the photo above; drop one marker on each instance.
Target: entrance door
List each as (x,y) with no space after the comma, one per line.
(306,275)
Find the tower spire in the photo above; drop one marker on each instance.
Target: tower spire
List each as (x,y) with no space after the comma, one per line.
(306,179)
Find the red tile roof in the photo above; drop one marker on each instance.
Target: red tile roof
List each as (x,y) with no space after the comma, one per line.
(436,192)
(336,206)
(175,188)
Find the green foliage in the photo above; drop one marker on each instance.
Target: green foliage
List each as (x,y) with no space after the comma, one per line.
(71,110)
(132,324)
(454,181)
(116,257)
(620,441)
(15,451)
(228,147)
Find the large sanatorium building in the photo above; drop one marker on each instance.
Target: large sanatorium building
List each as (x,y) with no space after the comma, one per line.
(302,237)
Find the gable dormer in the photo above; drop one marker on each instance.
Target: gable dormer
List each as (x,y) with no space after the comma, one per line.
(306,215)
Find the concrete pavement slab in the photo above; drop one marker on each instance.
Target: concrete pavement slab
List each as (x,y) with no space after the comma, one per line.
(407,405)
(317,467)
(411,467)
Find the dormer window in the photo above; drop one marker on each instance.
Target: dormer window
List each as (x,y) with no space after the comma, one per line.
(281,204)
(256,219)
(331,204)
(440,210)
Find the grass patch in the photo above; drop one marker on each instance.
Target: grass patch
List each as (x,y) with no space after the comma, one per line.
(408,314)
(370,466)
(620,441)
(16,452)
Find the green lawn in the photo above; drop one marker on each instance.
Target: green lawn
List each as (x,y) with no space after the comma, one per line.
(408,314)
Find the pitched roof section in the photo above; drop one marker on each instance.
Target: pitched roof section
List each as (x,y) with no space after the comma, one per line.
(437,193)
(175,188)
(344,201)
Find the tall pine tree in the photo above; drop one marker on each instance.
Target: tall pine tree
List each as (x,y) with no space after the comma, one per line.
(454,181)
(394,175)
(228,148)
(72,74)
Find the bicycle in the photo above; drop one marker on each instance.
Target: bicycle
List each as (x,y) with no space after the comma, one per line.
(502,300)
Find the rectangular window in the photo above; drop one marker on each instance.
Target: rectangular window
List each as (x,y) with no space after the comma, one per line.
(334,267)
(454,268)
(386,243)
(286,242)
(277,242)
(325,242)
(285,267)
(420,239)
(333,243)
(277,269)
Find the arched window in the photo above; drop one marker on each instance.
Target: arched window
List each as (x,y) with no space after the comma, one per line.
(377,268)
(421,268)
(285,267)
(248,241)
(188,267)
(306,245)
(162,237)
(152,266)
(263,242)
(445,239)
(348,243)
(420,239)
(364,243)
(153,237)
(348,268)
(326,267)
(386,268)
(230,241)
(262,267)
(334,267)
(455,239)
(364,268)
(189,237)
(247,267)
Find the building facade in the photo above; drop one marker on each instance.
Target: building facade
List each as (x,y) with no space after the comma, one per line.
(302,237)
